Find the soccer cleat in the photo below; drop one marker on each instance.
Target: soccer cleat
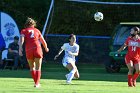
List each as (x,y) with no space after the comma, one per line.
(68,82)
(37,85)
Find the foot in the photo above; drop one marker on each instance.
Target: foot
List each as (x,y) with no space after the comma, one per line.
(68,82)
(134,83)
(130,86)
(68,75)
(37,85)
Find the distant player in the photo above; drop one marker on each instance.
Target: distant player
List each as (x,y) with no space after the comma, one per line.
(71,50)
(34,54)
(132,57)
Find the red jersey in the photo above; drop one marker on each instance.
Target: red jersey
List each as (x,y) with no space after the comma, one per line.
(31,36)
(133,48)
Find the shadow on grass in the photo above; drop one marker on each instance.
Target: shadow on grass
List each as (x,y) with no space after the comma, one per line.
(57,71)
(72,84)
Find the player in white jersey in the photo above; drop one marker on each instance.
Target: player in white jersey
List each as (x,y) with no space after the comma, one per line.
(71,50)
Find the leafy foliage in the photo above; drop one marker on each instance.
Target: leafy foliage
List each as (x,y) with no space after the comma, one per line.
(71,17)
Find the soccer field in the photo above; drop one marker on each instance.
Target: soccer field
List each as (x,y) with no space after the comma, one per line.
(93,79)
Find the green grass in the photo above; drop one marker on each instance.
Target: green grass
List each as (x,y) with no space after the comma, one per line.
(93,79)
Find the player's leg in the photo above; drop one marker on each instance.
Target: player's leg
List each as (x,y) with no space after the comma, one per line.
(76,75)
(130,73)
(130,67)
(72,71)
(30,59)
(32,68)
(137,72)
(38,62)
(38,54)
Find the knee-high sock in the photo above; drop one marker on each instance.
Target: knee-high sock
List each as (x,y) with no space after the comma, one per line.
(71,75)
(135,76)
(129,80)
(38,76)
(33,73)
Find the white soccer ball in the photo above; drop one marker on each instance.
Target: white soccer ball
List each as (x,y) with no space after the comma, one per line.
(98,16)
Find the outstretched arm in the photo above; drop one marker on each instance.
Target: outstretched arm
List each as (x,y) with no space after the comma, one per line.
(60,51)
(122,48)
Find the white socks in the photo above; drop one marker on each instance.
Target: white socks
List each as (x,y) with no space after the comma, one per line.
(71,75)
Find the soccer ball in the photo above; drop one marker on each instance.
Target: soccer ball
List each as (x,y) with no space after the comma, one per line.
(98,16)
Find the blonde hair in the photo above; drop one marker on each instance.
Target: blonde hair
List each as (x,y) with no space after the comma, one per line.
(30,22)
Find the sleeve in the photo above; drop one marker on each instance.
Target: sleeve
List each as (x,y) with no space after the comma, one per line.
(63,47)
(22,33)
(40,35)
(127,40)
(77,49)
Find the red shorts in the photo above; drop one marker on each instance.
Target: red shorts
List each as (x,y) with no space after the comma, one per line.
(34,53)
(129,59)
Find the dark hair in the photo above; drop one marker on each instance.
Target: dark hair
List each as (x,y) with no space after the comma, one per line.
(16,38)
(71,35)
(136,29)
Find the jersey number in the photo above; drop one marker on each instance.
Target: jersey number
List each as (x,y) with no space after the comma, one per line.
(133,48)
(32,33)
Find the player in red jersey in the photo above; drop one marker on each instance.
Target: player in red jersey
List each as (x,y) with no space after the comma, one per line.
(132,57)
(34,54)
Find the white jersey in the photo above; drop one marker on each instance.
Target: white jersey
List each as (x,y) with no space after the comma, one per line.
(67,47)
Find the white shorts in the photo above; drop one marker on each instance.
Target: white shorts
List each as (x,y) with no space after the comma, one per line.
(66,61)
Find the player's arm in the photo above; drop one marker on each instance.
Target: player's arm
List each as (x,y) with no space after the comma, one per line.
(42,40)
(122,48)
(74,54)
(21,44)
(60,51)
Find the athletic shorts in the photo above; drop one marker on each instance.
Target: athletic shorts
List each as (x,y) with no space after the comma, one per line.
(66,61)
(34,53)
(129,59)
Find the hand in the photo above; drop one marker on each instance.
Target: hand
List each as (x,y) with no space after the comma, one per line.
(70,52)
(20,52)
(47,49)
(118,51)
(56,57)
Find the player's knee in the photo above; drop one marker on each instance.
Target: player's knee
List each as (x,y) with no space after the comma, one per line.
(131,70)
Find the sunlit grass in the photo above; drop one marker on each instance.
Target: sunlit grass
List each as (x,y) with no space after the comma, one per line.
(53,81)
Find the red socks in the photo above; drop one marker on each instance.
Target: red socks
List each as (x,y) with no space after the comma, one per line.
(33,73)
(130,80)
(135,76)
(36,75)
